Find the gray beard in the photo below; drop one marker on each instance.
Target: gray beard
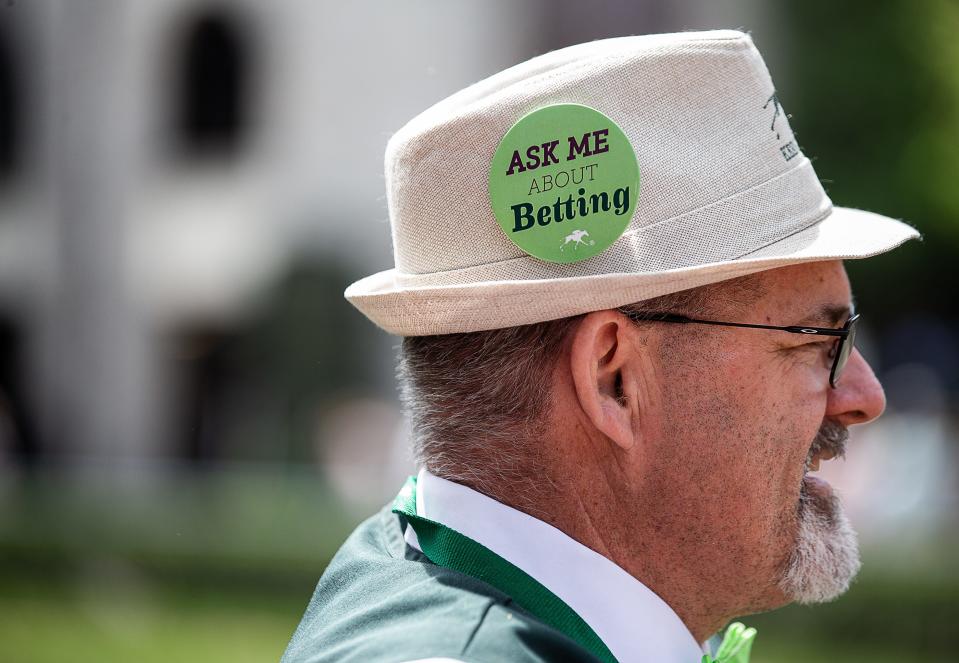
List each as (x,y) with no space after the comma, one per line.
(826,555)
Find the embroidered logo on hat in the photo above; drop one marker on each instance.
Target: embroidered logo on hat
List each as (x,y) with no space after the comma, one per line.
(564,182)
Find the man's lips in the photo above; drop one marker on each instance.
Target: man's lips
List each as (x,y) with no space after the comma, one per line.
(816,485)
(828,444)
(816,494)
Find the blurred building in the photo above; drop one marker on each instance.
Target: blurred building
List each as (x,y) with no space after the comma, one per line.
(165,166)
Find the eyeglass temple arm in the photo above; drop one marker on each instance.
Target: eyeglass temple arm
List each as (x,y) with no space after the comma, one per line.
(672,317)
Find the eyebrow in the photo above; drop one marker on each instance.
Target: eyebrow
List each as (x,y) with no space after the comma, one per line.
(831,314)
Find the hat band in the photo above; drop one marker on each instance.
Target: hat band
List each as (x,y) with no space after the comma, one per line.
(725,230)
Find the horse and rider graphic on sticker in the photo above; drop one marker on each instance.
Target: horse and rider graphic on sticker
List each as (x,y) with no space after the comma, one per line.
(577,237)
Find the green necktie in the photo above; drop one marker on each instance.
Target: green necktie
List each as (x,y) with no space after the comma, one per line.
(735,645)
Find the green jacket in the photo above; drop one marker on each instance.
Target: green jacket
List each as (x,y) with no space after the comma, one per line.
(381,600)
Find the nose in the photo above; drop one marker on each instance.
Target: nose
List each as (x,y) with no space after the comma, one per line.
(858,398)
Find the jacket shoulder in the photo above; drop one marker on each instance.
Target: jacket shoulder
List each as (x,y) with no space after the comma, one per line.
(382,600)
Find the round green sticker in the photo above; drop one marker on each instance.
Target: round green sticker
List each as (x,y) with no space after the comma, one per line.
(564,182)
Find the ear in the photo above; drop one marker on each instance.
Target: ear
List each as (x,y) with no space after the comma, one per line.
(604,368)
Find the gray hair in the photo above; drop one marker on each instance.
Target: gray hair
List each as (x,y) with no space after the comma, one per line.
(477,401)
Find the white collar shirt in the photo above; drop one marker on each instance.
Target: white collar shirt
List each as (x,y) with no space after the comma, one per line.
(631,620)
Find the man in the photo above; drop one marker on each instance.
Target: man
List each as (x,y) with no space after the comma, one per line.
(628,343)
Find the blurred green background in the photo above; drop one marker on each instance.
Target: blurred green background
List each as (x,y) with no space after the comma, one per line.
(191,417)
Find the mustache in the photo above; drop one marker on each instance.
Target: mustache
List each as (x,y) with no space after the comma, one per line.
(832,437)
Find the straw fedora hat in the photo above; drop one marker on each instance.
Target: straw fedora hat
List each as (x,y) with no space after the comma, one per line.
(673,151)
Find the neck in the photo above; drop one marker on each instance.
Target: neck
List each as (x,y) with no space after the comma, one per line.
(645,543)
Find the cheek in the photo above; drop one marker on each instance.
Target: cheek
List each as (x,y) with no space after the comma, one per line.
(713,421)
(737,435)
(741,432)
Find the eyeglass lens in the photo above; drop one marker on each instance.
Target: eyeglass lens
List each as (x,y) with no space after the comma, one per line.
(845,349)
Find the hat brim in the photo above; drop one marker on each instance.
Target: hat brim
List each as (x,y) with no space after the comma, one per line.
(446,309)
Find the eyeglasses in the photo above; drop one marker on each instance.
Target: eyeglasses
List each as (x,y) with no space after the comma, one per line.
(845,342)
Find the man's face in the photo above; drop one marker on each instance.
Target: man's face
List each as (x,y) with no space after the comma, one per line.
(745,412)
